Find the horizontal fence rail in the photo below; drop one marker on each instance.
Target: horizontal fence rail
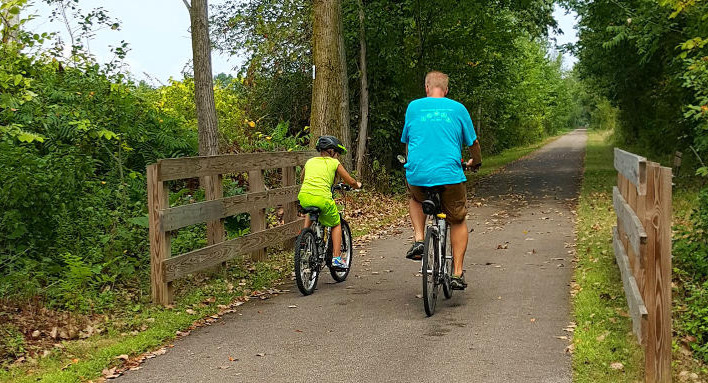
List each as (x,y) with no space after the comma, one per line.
(163,219)
(642,246)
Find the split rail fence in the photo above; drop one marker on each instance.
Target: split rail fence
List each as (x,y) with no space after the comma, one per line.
(642,245)
(163,219)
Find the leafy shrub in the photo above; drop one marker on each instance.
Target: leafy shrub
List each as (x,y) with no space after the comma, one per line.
(690,251)
(12,343)
(691,248)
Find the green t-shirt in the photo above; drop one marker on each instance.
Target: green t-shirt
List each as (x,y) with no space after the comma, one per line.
(319,176)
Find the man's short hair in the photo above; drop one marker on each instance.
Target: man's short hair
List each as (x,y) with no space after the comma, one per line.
(436,79)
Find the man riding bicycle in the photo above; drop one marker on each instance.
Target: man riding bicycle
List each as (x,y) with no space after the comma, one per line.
(435,130)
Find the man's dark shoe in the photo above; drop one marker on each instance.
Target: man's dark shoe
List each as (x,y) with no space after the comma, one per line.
(458,283)
(416,251)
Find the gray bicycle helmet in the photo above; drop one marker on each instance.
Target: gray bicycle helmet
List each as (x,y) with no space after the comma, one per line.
(330,142)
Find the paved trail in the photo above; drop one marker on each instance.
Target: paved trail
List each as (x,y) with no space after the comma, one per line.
(372,328)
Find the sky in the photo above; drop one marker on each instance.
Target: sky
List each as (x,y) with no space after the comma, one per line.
(566,22)
(158,35)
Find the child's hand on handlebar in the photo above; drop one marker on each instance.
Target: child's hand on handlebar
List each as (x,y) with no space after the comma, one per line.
(358,185)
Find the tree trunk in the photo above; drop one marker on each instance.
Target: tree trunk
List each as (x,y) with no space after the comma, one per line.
(9,23)
(207,123)
(364,95)
(330,94)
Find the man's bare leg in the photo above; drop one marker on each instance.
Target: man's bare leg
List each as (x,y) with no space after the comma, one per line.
(458,240)
(415,209)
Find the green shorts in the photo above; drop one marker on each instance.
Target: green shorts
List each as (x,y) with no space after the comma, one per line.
(329,214)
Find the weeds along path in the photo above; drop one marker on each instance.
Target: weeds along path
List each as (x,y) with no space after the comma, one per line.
(512,324)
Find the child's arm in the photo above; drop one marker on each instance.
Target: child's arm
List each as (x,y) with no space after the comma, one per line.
(347,178)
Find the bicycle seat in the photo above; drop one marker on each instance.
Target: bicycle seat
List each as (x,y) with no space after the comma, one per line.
(312,211)
(431,204)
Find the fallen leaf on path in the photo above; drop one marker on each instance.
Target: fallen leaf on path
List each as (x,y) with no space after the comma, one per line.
(292,306)
(533,320)
(419,296)
(563,337)
(190,311)
(123,357)
(260,354)
(110,373)
(617,366)
(232,359)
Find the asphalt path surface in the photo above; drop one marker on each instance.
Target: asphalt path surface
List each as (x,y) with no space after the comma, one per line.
(508,326)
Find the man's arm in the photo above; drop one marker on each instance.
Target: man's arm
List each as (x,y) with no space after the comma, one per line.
(476,153)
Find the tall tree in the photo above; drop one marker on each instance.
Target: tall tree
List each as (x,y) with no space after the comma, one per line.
(364,95)
(207,123)
(330,95)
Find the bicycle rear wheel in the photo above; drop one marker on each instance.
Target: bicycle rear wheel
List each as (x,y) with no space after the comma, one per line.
(447,264)
(307,268)
(431,267)
(338,274)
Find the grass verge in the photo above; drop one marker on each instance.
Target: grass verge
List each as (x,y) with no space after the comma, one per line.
(603,335)
(144,327)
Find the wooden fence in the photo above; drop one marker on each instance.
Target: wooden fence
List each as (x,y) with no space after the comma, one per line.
(163,219)
(642,244)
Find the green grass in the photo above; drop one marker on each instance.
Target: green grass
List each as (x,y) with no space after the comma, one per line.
(85,359)
(603,334)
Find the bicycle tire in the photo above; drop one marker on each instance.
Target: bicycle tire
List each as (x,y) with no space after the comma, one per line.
(307,269)
(430,272)
(447,265)
(337,274)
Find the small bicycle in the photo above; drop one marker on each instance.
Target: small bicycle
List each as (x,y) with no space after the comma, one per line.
(313,249)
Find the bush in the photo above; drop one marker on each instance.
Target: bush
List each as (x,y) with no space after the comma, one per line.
(12,343)
(691,268)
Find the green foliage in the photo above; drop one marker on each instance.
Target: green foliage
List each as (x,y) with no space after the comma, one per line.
(495,54)
(691,248)
(690,252)
(636,54)
(12,343)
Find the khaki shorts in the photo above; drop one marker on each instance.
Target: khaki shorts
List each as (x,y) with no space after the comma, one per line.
(453,200)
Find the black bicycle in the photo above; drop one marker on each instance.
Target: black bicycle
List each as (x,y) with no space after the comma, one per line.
(313,249)
(437,257)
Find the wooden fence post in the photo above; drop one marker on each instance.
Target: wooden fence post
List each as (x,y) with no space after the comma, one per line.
(258,216)
(214,189)
(658,273)
(289,209)
(159,240)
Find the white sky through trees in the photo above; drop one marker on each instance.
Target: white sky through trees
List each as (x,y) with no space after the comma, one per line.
(157,32)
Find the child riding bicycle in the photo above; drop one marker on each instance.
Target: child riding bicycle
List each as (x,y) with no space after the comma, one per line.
(317,180)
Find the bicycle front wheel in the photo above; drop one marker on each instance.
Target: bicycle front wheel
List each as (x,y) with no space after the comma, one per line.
(339,274)
(431,268)
(307,268)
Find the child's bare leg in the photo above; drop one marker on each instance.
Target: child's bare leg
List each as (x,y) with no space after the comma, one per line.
(308,222)
(337,241)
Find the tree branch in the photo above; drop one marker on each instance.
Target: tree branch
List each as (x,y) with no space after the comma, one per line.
(186,4)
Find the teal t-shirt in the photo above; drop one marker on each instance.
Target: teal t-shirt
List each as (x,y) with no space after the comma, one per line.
(436,130)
